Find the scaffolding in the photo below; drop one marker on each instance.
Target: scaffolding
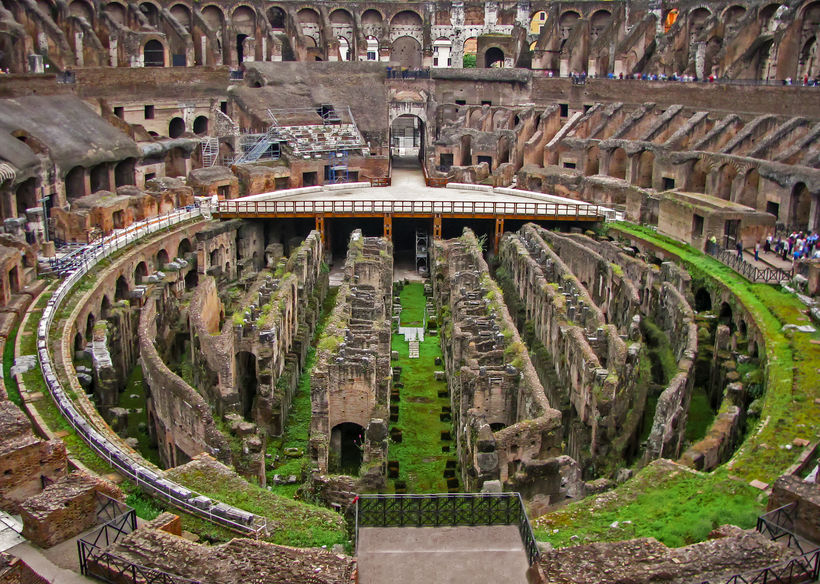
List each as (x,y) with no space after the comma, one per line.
(422,243)
(337,170)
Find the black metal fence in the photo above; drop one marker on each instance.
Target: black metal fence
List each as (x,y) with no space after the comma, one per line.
(447,509)
(769,275)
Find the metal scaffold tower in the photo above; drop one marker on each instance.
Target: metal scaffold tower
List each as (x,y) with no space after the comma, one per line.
(338,168)
(421,252)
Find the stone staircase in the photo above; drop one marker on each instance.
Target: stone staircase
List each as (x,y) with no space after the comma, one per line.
(414,349)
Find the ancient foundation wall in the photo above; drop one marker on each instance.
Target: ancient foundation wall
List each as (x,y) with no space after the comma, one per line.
(180,416)
(505,426)
(350,383)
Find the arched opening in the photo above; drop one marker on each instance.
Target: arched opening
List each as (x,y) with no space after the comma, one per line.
(162,259)
(371,18)
(214,17)
(494,57)
(182,15)
(592,162)
(89,326)
(406,18)
(75,183)
(26,195)
(105,307)
(346,441)
(122,290)
(406,51)
(617,164)
(407,140)
(599,22)
(726,177)
(140,273)
(442,49)
(766,18)
(466,150)
(344,49)
(748,196)
(537,22)
(697,20)
(246,383)
(800,206)
(372,48)
(115,11)
(191,280)
(807,60)
(83,10)
(240,48)
(153,54)
(99,178)
(151,13)
(470,52)
(732,17)
(703,300)
(176,127)
(124,172)
(79,342)
(566,22)
(696,181)
(201,125)
(725,316)
(276,18)
(184,248)
(646,164)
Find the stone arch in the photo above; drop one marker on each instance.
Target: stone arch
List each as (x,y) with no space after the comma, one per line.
(725,178)
(308,16)
(800,205)
(470,51)
(116,12)
(372,17)
(26,195)
(75,183)
(82,9)
(176,127)
(341,16)
(151,13)
(140,272)
(98,176)
(810,12)
(592,163)
(407,51)
(748,194)
(247,383)
(153,53)
(184,248)
(725,316)
(243,20)
(766,16)
(122,290)
(537,21)
(277,18)
(617,163)
(599,22)
(162,259)
(646,164)
(807,59)
(182,14)
(494,57)
(406,18)
(703,300)
(567,21)
(346,440)
(89,325)
(733,13)
(214,16)
(696,181)
(697,20)
(105,307)
(201,125)
(124,172)
(345,51)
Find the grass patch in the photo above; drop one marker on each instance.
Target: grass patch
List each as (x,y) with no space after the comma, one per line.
(700,416)
(674,505)
(289,522)
(8,361)
(791,367)
(413,303)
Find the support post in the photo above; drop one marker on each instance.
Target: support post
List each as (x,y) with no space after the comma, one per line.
(499,231)
(388,227)
(320,227)
(437,226)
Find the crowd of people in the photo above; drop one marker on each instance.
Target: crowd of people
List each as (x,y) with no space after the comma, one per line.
(797,245)
(580,78)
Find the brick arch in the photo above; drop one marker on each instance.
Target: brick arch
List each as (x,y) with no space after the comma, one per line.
(216,10)
(407,12)
(341,11)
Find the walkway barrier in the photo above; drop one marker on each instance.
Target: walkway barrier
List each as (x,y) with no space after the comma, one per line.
(751,272)
(447,509)
(144,477)
(278,208)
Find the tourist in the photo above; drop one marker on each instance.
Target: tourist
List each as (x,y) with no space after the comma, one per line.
(757,251)
(739,247)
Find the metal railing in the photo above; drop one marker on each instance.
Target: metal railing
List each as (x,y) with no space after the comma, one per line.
(144,477)
(804,568)
(778,524)
(380,181)
(446,509)
(770,275)
(272,208)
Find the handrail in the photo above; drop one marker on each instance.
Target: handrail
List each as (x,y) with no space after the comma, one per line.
(381,207)
(450,509)
(803,568)
(144,477)
(770,275)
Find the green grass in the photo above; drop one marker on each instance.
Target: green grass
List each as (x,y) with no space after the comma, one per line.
(8,361)
(289,522)
(700,416)
(413,302)
(297,428)
(674,505)
(133,398)
(421,461)
(792,363)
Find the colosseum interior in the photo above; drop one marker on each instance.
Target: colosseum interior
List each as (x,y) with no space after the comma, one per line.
(431,291)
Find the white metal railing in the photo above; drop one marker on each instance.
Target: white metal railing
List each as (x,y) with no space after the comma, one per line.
(171,492)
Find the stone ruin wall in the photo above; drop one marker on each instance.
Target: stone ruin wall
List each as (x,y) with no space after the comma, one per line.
(350,382)
(182,418)
(492,380)
(659,298)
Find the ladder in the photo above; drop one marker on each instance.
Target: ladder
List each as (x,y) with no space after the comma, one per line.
(210,150)
(258,149)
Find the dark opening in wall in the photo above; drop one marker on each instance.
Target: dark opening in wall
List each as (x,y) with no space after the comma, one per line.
(568,164)
(697,225)
(149,112)
(119,111)
(223,107)
(668,183)
(487,159)
(486,102)
(246,382)
(154,54)
(461,102)
(564,109)
(773,208)
(310,179)
(176,127)
(346,442)
(445,160)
